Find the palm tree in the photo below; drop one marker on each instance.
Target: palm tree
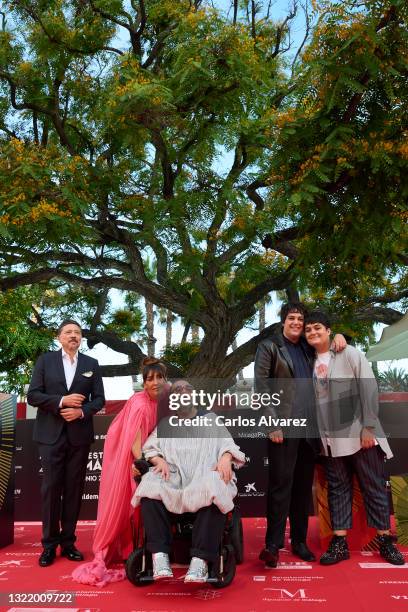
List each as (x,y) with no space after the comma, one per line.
(167,318)
(151,340)
(393,379)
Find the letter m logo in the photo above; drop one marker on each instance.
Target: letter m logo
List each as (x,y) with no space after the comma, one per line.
(285,594)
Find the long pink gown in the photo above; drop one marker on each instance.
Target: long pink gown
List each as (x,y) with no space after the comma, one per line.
(113,533)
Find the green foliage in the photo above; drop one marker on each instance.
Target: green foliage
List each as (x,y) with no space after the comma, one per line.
(175,155)
(125,323)
(181,355)
(393,379)
(20,341)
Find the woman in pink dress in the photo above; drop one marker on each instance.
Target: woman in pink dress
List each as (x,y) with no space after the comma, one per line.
(127,433)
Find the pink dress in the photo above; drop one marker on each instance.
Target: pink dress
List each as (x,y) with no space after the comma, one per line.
(113,533)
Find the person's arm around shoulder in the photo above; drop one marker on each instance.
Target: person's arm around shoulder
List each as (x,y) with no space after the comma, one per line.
(339,343)
(37,395)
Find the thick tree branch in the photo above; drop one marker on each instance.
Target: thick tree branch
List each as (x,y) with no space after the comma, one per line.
(126,347)
(245,307)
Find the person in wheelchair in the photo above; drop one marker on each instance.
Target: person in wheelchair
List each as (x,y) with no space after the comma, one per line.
(191,473)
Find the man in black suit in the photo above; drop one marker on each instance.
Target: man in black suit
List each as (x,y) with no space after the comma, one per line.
(67,389)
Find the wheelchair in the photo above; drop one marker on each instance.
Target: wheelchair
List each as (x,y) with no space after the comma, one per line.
(139,565)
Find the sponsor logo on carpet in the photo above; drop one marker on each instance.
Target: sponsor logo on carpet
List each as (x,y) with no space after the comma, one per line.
(169,594)
(382,566)
(259,578)
(403,597)
(207,595)
(275,594)
(15,564)
(22,554)
(292,565)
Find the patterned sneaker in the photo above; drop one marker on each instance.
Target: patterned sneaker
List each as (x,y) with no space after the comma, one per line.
(389,551)
(161,566)
(198,571)
(337,551)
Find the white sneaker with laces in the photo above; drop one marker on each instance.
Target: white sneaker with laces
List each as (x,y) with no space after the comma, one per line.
(161,566)
(198,571)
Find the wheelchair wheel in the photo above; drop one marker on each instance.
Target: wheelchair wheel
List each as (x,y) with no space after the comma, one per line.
(227,576)
(237,536)
(139,567)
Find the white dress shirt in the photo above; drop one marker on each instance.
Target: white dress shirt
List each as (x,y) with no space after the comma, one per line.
(69,370)
(69,367)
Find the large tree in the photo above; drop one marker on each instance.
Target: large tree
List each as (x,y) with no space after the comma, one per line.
(238,162)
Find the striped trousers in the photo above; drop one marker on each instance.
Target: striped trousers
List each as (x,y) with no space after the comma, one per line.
(369,467)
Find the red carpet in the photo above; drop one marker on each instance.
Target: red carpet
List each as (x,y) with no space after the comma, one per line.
(363,583)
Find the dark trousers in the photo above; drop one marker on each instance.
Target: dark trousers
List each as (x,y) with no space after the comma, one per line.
(369,467)
(207,530)
(291,469)
(64,469)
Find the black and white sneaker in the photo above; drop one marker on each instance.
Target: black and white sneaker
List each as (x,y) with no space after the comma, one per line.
(336,552)
(389,551)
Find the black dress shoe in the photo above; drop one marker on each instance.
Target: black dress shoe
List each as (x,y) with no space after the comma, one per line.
(47,557)
(270,555)
(72,553)
(301,550)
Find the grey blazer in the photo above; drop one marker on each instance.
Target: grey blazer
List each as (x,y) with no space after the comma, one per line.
(351,403)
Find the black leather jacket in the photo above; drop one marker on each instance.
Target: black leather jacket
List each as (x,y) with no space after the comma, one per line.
(274,371)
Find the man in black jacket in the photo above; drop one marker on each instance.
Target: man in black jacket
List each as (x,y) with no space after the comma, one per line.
(67,389)
(279,360)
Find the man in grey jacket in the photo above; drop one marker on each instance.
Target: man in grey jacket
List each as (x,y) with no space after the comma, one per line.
(352,439)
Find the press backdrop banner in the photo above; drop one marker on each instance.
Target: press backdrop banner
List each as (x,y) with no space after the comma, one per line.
(7,445)
(252,478)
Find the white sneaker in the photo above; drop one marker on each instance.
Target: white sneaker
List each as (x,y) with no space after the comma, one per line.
(198,571)
(161,566)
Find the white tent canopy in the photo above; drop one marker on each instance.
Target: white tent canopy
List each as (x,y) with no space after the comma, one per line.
(393,343)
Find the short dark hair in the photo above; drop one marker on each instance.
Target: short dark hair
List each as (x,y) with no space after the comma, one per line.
(67,322)
(292,307)
(317,316)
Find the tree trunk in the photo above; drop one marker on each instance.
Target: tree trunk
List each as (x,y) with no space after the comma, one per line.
(185,331)
(262,314)
(151,340)
(234,347)
(169,327)
(292,294)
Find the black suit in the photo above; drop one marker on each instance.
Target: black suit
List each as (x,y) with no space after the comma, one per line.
(63,446)
(291,463)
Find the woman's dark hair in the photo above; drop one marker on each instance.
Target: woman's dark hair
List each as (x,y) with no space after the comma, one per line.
(317,316)
(67,322)
(151,364)
(292,307)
